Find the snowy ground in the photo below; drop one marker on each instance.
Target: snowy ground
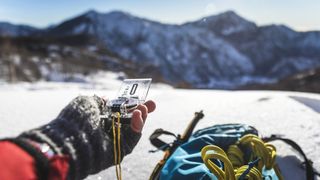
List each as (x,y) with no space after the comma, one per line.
(295,115)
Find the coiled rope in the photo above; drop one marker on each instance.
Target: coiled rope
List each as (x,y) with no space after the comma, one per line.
(234,166)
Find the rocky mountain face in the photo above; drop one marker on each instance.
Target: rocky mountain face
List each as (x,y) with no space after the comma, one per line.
(221,51)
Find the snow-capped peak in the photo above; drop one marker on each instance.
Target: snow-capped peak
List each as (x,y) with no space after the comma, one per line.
(226,23)
(91,14)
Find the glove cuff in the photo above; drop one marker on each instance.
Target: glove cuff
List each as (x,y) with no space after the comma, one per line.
(85,148)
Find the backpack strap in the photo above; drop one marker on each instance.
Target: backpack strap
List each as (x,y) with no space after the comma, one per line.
(310,173)
(158,143)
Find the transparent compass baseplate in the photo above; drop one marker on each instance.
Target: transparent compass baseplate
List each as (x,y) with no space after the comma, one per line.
(122,106)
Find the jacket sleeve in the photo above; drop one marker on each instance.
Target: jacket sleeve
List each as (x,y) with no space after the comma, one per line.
(17,163)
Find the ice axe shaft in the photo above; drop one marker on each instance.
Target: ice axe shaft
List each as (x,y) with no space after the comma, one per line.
(181,139)
(188,132)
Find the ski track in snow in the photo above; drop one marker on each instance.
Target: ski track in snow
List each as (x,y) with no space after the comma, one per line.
(270,112)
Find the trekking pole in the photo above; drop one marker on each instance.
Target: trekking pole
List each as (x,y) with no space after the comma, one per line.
(181,139)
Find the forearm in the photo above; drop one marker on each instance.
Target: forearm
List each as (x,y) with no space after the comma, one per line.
(81,138)
(76,133)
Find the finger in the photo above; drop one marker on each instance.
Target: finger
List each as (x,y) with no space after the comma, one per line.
(144,111)
(151,105)
(105,99)
(137,121)
(99,102)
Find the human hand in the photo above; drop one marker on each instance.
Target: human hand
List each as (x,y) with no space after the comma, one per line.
(79,132)
(140,115)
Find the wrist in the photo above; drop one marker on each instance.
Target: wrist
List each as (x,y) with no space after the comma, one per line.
(44,148)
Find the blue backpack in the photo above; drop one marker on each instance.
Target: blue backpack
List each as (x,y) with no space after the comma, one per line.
(226,151)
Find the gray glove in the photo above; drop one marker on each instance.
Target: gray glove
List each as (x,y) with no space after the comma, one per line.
(80,133)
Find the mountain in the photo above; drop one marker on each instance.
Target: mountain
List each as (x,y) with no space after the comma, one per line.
(11,30)
(184,54)
(220,51)
(225,23)
(307,81)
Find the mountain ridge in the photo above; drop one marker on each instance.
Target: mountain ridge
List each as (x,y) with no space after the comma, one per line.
(219,51)
(93,11)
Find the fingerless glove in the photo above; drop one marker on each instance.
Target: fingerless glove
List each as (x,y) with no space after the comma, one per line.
(81,134)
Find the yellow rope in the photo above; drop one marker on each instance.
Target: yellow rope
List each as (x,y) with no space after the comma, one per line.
(117,146)
(236,156)
(265,151)
(254,173)
(214,152)
(234,165)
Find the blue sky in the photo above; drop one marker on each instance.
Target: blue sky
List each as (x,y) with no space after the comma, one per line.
(300,15)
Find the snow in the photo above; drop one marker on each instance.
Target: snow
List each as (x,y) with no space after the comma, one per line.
(295,115)
(79,28)
(16,59)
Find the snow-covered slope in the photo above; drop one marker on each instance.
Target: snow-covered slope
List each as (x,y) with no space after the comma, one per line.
(295,115)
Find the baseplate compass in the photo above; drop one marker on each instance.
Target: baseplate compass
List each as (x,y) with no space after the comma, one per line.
(132,93)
